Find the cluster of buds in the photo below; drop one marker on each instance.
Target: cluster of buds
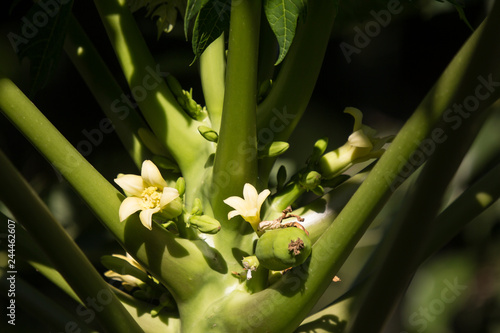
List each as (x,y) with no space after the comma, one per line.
(185,99)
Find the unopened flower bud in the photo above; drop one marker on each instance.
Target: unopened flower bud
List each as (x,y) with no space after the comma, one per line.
(151,142)
(174,85)
(276,148)
(318,149)
(165,163)
(173,209)
(197,207)
(205,224)
(311,180)
(281,177)
(180,186)
(208,133)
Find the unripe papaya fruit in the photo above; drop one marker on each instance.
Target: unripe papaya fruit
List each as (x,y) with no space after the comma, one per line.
(280,249)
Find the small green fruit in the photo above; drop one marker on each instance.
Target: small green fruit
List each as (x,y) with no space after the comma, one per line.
(283,248)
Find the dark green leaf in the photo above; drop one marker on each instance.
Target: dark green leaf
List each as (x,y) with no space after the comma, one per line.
(282,16)
(44,30)
(192,8)
(212,21)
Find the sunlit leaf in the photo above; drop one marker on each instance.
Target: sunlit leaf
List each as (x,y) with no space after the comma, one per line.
(282,16)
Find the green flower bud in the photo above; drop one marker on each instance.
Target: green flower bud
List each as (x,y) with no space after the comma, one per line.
(283,248)
(274,149)
(311,180)
(151,142)
(182,101)
(205,224)
(250,262)
(208,133)
(174,85)
(197,207)
(172,210)
(281,177)
(193,106)
(318,149)
(165,163)
(180,186)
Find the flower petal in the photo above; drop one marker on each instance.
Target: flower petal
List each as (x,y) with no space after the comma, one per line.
(146,217)
(358,117)
(232,214)
(169,194)
(250,193)
(237,203)
(262,197)
(151,175)
(128,207)
(359,139)
(131,184)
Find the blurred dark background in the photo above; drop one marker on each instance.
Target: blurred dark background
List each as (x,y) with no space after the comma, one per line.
(386,80)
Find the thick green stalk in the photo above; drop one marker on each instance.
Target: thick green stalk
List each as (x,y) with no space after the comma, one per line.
(179,264)
(71,263)
(417,216)
(212,74)
(106,91)
(280,112)
(169,122)
(296,293)
(236,156)
(28,251)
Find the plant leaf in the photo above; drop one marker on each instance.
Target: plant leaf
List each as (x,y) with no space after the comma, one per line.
(47,28)
(192,8)
(459,6)
(211,22)
(282,16)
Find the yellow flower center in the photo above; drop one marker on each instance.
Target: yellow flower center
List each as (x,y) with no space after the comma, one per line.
(151,197)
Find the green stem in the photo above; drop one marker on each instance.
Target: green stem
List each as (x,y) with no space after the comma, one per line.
(212,73)
(106,90)
(236,156)
(181,265)
(169,122)
(417,217)
(283,199)
(51,237)
(44,308)
(281,111)
(470,204)
(298,290)
(29,252)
